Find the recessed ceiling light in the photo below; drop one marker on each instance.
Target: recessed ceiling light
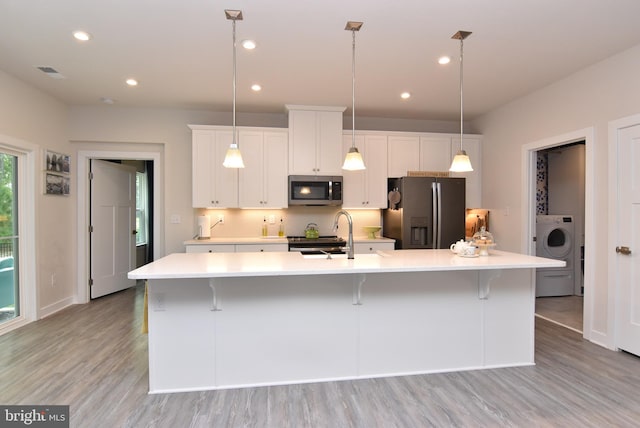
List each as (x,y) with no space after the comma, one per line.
(248,44)
(444,60)
(83,36)
(132,82)
(255,87)
(405,95)
(107,100)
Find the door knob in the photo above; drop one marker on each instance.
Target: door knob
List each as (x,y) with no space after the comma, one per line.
(133,232)
(623,250)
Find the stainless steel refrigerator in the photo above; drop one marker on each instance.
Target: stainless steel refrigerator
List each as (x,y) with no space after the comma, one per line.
(425,212)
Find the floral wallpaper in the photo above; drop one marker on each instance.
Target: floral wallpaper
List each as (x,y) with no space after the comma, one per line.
(542,191)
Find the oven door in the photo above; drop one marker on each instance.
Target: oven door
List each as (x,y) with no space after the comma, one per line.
(316,250)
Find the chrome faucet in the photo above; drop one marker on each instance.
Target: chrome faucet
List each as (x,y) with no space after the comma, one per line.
(350,239)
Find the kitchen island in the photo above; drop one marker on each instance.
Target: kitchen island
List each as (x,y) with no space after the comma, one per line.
(226,320)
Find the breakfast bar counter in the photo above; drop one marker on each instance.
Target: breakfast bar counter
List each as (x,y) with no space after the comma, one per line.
(228,320)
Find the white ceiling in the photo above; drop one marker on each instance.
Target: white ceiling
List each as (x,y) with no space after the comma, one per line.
(181,51)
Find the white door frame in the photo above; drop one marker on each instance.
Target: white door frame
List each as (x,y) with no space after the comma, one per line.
(529,210)
(27,230)
(614,127)
(84,156)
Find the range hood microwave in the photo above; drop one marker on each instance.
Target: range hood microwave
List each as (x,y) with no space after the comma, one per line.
(315,190)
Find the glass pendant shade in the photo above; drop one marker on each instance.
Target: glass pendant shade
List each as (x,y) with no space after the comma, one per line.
(461,163)
(353,161)
(233,158)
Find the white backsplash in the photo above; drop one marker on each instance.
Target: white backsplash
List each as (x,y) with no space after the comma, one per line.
(248,222)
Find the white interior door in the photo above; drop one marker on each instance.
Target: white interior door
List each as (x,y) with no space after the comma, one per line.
(627,263)
(113,241)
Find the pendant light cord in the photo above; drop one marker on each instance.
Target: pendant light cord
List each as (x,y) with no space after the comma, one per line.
(234,82)
(461,100)
(353,90)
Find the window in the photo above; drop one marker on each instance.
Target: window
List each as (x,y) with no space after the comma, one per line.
(142,231)
(9,290)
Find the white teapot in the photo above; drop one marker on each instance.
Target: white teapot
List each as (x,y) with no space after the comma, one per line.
(463,247)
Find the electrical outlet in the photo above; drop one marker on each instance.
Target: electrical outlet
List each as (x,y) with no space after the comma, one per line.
(221,218)
(175,219)
(272,219)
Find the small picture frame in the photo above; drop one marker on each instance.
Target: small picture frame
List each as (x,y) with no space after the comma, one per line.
(56,184)
(58,163)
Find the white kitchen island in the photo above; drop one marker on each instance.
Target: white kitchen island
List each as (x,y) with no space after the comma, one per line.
(227,320)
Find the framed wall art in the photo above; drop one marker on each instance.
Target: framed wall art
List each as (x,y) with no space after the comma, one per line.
(57,162)
(57,169)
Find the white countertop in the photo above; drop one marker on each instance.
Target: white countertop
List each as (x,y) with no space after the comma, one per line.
(268,240)
(221,265)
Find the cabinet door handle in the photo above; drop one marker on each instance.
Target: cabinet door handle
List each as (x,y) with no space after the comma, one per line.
(623,250)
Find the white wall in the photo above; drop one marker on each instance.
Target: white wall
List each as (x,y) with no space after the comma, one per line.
(30,115)
(590,98)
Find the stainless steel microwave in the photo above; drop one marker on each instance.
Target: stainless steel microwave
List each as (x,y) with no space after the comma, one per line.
(315,190)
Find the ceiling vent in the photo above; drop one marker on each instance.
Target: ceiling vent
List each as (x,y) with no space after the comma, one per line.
(51,72)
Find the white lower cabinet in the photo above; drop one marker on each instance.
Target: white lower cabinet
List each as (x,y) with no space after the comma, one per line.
(261,248)
(366,248)
(236,248)
(214,248)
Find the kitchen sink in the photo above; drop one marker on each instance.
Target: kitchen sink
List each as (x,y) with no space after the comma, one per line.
(344,256)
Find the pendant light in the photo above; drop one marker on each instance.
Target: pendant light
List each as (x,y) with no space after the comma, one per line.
(353,161)
(461,162)
(233,158)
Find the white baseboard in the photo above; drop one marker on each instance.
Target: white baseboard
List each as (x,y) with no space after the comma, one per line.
(55,307)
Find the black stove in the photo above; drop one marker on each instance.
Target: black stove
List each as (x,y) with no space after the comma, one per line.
(320,245)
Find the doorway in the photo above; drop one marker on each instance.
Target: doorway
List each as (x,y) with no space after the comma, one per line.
(155,159)
(563,196)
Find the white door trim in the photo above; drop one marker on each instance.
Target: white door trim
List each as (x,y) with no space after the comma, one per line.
(27,229)
(84,156)
(614,127)
(529,208)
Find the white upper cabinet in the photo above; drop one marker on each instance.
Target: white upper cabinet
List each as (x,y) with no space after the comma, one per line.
(435,153)
(403,153)
(212,184)
(315,140)
(263,180)
(366,188)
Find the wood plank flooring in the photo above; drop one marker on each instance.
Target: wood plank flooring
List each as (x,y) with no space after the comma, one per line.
(94,358)
(564,310)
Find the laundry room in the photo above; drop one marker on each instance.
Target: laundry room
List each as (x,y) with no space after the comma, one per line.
(560,200)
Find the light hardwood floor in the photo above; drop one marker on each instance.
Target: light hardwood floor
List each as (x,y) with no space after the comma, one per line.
(564,310)
(94,358)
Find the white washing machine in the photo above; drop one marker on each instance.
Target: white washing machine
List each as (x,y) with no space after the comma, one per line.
(555,237)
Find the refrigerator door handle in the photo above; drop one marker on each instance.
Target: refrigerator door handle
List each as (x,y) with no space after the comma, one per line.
(439,215)
(434,215)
